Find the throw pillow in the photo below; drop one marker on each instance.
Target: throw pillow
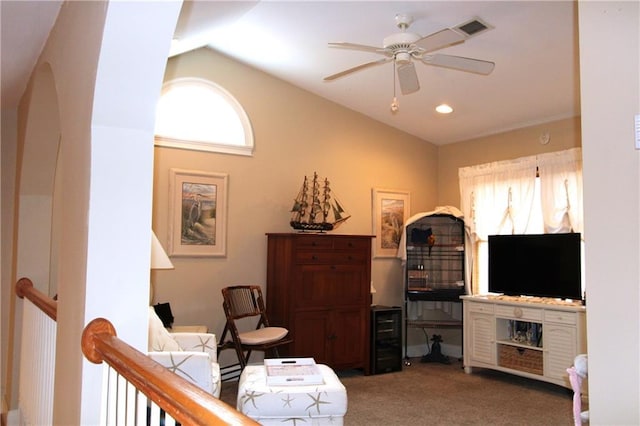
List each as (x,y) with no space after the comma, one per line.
(159,338)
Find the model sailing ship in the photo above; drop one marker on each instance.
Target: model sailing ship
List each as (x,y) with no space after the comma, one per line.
(315,209)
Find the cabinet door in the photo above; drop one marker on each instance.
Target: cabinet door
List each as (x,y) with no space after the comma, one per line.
(338,338)
(560,349)
(349,338)
(311,335)
(481,329)
(330,285)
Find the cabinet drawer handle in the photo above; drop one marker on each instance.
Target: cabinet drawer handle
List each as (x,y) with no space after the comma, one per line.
(314,257)
(333,267)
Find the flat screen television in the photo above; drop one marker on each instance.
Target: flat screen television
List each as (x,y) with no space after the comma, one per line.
(542,265)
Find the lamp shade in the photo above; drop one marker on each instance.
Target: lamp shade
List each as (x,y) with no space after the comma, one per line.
(159,258)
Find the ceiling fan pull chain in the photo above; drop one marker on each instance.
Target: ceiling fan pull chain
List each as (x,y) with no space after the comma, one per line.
(395,106)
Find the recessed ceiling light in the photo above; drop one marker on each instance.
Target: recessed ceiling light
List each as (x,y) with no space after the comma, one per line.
(444,109)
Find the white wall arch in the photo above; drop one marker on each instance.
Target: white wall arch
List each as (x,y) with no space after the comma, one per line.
(38,166)
(36,170)
(133,52)
(105,62)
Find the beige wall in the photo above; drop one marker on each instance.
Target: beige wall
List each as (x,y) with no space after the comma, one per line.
(564,134)
(296,133)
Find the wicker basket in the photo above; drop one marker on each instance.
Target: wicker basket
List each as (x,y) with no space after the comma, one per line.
(521,359)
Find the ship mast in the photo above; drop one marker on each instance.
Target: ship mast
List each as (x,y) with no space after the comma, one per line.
(326,202)
(315,201)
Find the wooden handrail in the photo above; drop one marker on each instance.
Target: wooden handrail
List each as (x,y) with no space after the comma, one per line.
(25,288)
(184,401)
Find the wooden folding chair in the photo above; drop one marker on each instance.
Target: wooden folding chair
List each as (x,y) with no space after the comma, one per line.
(240,302)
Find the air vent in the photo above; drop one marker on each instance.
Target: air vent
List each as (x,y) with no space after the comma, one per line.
(473,27)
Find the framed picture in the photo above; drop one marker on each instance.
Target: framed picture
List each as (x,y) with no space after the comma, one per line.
(391,210)
(198,213)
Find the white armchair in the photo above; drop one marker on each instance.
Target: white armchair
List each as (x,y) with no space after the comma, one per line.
(192,356)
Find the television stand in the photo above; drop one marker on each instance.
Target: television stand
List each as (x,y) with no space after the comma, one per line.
(534,299)
(536,338)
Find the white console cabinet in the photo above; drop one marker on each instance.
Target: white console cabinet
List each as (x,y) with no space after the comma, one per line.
(531,337)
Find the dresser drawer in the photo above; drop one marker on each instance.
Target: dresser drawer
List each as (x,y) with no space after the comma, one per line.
(483,308)
(359,244)
(330,257)
(316,242)
(519,313)
(561,317)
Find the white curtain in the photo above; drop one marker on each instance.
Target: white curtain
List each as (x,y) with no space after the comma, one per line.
(499,198)
(561,190)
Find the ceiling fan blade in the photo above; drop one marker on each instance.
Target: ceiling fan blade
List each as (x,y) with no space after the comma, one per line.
(358,68)
(459,63)
(408,78)
(355,46)
(440,39)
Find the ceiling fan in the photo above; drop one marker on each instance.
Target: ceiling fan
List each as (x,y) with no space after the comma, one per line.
(405,47)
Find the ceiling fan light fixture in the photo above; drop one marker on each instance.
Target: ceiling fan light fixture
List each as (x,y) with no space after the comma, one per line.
(444,109)
(403,58)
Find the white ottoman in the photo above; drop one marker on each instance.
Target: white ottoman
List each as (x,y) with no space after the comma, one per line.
(324,404)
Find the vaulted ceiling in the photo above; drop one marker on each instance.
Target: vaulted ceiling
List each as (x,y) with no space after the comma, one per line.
(532,43)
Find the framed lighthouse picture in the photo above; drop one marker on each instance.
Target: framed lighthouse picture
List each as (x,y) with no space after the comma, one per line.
(197,213)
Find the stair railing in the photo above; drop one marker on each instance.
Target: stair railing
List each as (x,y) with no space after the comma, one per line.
(140,391)
(37,355)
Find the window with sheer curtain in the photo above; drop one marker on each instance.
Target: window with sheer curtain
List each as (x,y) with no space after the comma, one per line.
(528,195)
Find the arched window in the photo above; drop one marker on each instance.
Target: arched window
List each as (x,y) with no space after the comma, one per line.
(198,114)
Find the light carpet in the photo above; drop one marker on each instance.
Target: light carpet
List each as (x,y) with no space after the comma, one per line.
(440,394)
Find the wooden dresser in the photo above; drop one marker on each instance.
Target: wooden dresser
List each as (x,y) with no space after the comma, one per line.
(318,286)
